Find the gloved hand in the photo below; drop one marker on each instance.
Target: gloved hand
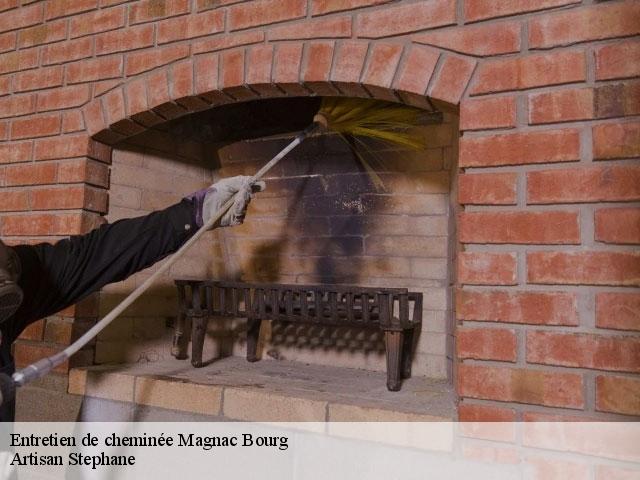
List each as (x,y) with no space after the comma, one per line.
(209,200)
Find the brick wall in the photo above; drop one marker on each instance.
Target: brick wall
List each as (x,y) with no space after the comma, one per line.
(548,193)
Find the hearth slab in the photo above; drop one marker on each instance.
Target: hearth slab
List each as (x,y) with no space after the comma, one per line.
(269,390)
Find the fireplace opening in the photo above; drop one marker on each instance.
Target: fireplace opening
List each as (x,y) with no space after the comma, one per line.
(324,219)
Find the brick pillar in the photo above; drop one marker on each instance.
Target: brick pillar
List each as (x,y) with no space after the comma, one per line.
(543,261)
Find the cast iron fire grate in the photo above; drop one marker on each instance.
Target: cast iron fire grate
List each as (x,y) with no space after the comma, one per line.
(395,311)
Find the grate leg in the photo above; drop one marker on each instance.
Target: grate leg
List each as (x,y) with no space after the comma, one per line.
(407,352)
(198,332)
(253,335)
(180,337)
(394,341)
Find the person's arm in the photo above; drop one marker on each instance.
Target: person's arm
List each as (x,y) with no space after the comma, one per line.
(59,275)
(56,276)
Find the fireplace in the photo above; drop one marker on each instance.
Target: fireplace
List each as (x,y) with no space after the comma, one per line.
(322,220)
(523,240)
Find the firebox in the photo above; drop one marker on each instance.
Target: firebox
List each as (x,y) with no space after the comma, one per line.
(323,220)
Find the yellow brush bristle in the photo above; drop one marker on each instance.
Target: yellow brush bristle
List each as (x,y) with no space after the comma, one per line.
(353,118)
(385,121)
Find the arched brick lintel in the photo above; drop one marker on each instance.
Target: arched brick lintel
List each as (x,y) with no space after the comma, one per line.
(377,69)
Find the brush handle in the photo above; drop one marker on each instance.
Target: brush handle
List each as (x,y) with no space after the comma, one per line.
(42,367)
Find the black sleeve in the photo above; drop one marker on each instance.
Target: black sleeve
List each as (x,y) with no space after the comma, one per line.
(59,275)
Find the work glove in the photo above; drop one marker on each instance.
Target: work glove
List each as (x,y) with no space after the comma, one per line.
(209,200)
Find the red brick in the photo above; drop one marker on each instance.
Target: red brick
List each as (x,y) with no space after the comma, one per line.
(124,40)
(94,117)
(72,121)
(14,200)
(521,386)
(452,80)
(616,140)
(618,394)
(469,412)
(21,18)
(478,40)
(94,69)
(83,171)
(617,100)
(537,70)
(18,60)
(16,152)
(17,105)
(618,225)
(595,22)
(475,268)
(45,33)
(67,51)
(486,344)
(157,88)
(8,41)
(34,331)
(400,19)
(8,4)
(38,79)
(414,75)
(226,41)
(618,60)
(618,311)
(561,106)
(481,9)
(259,64)
(31,174)
(139,62)
(66,146)
(28,353)
(288,64)
(62,8)
(487,113)
(520,148)
(319,58)
(69,197)
(209,4)
(549,417)
(546,227)
(66,97)
(181,79)
(149,10)
(96,22)
(264,12)
(332,27)
(584,268)
(588,184)
(190,26)
(5,85)
(113,103)
(584,350)
(232,69)
(348,65)
(322,7)
(533,308)
(382,65)
(487,189)
(32,127)
(206,74)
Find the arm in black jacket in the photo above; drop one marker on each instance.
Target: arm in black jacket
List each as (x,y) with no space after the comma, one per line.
(56,276)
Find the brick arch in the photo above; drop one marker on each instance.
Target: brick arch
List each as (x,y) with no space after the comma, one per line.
(407,73)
